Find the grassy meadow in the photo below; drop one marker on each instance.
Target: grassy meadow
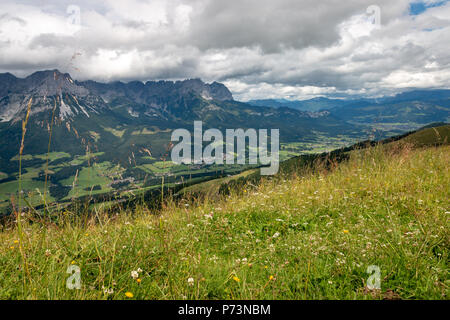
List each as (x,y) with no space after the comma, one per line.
(295,236)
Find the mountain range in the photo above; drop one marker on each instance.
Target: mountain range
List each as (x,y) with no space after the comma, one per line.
(416,106)
(90,112)
(115,136)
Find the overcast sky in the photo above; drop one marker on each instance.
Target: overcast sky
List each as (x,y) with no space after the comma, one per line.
(293,49)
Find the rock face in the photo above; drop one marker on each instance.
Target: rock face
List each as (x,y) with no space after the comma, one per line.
(143,93)
(82,98)
(45,88)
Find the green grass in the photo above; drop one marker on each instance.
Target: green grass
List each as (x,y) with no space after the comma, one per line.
(213,186)
(319,144)
(145,131)
(306,236)
(52,156)
(160,167)
(116,132)
(78,160)
(97,174)
(10,188)
(430,136)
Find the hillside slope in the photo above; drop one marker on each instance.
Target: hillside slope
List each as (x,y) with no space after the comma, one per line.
(431,135)
(291,237)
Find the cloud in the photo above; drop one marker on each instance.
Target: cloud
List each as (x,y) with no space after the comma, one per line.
(259,48)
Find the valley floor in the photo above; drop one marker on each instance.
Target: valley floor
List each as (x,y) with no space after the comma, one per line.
(295,237)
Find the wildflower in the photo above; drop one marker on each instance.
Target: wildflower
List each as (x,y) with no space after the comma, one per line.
(16,241)
(134,274)
(190,281)
(48,252)
(129,294)
(139,270)
(265,267)
(276,235)
(107,290)
(345,231)
(138,280)
(271,278)
(236,279)
(73,262)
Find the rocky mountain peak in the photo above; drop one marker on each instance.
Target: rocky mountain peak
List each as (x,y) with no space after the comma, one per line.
(83,97)
(53,82)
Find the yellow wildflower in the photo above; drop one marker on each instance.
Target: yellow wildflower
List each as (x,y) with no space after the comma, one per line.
(129,295)
(236,279)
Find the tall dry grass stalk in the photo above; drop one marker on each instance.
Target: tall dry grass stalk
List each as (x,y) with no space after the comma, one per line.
(164,158)
(18,211)
(48,155)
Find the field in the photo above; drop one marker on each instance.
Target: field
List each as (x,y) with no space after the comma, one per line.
(74,176)
(318,145)
(310,234)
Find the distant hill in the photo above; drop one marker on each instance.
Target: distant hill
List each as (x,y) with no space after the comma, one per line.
(316,104)
(395,112)
(415,107)
(432,135)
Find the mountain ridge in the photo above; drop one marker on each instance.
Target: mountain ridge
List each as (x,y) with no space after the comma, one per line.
(88,113)
(84,97)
